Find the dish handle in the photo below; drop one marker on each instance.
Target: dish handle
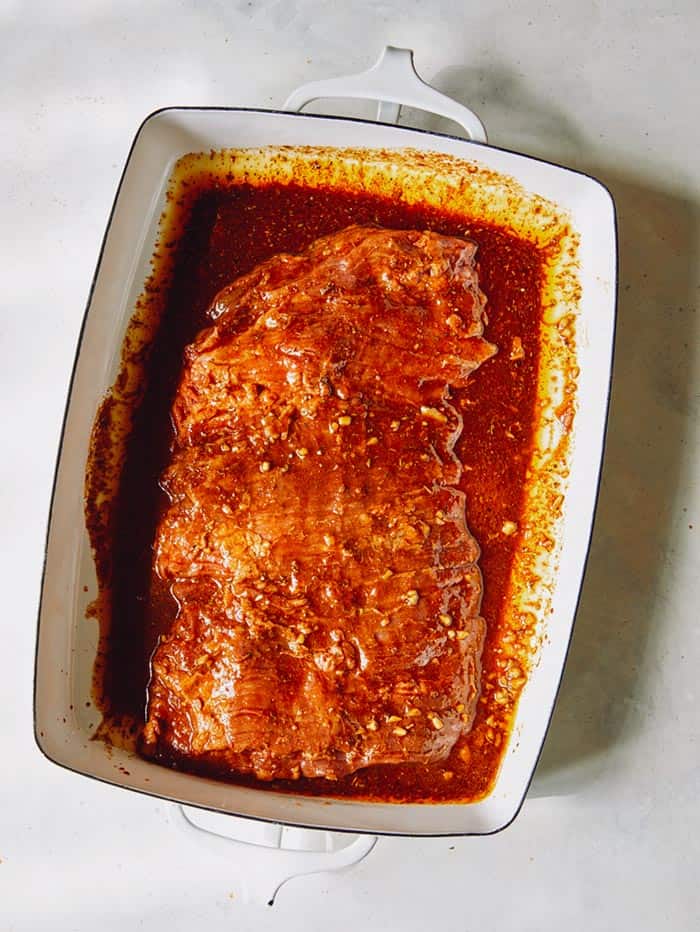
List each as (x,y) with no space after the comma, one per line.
(393,82)
(265,855)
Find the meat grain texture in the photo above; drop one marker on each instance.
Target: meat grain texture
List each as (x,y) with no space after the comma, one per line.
(316,539)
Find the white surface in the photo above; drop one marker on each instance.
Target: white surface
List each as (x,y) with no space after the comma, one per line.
(609,837)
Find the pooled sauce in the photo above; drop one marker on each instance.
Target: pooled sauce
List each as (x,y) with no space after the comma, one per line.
(230,230)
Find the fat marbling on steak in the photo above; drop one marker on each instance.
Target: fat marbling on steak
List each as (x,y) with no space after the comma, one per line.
(315,538)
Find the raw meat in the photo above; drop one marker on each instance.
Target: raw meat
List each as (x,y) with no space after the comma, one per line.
(316,539)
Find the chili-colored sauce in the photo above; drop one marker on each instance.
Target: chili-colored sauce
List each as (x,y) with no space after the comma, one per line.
(498,407)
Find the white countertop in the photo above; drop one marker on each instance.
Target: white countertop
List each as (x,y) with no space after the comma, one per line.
(609,837)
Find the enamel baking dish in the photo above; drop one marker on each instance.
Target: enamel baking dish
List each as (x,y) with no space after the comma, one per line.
(67,642)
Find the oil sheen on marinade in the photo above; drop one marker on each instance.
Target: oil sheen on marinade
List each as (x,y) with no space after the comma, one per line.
(221,241)
(316,539)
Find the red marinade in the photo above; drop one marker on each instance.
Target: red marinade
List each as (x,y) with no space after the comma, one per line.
(230,230)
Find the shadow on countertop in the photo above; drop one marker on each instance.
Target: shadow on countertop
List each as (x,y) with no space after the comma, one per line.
(604,700)
(604,697)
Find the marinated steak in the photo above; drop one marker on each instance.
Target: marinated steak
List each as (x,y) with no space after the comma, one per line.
(315,538)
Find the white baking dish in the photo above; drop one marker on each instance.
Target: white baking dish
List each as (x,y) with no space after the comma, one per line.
(67,642)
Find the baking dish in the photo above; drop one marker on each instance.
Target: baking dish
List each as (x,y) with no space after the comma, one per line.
(66,646)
